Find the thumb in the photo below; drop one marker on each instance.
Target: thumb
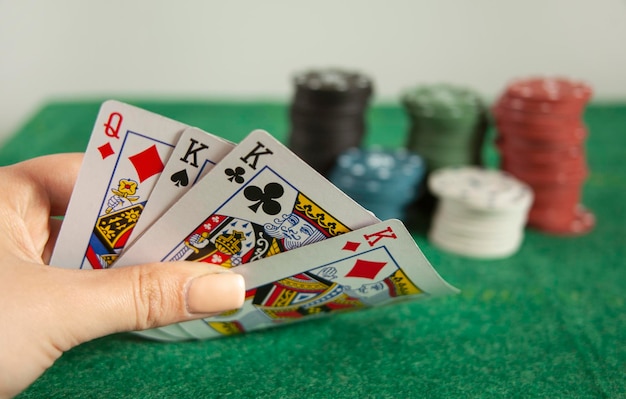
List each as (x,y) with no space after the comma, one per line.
(150,295)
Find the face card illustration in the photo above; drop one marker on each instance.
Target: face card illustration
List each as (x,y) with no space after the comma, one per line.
(259,201)
(195,154)
(371,266)
(126,153)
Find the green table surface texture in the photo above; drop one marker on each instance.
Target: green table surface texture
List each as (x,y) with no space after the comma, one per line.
(548,322)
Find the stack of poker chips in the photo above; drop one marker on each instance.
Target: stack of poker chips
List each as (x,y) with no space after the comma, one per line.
(383,181)
(480,213)
(541,138)
(447,125)
(328,115)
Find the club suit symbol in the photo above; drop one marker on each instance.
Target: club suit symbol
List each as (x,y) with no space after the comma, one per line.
(235,174)
(265,197)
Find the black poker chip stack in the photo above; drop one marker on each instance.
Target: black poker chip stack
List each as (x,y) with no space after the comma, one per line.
(328,114)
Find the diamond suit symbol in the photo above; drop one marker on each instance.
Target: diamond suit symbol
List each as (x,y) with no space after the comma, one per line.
(147,163)
(365,269)
(106,150)
(351,246)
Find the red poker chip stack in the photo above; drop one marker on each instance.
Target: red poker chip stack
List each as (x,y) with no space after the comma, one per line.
(541,138)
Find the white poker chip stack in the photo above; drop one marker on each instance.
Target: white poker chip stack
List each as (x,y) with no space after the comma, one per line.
(481,213)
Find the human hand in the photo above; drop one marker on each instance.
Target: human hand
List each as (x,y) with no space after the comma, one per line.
(48,310)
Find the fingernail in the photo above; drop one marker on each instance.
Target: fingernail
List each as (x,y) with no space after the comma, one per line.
(212,293)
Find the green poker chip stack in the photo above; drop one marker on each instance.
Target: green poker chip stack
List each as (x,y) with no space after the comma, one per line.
(447,125)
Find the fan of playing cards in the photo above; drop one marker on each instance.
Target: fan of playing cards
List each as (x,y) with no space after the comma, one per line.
(153,189)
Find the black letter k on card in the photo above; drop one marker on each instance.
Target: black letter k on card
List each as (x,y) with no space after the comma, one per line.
(193,151)
(255,154)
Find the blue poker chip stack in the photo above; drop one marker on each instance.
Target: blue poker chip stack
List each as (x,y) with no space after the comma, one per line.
(383,181)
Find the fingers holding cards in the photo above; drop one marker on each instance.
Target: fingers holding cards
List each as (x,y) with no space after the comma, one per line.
(153,189)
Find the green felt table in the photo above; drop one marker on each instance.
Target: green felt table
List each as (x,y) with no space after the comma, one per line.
(548,322)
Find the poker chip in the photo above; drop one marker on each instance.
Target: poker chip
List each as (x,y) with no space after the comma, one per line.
(553,96)
(447,124)
(480,213)
(327,114)
(540,138)
(383,181)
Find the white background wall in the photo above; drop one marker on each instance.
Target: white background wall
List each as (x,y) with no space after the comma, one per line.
(249,49)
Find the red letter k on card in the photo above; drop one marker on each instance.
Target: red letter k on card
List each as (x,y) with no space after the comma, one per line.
(373,238)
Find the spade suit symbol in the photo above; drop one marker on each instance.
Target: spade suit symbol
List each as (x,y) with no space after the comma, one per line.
(180,178)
